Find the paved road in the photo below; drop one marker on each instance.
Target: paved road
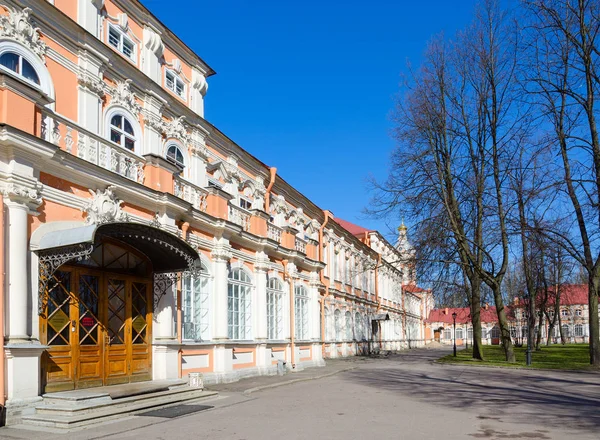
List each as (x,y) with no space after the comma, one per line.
(404,396)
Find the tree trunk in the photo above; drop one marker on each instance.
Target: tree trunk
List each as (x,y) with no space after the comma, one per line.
(594,286)
(541,325)
(476,317)
(504,326)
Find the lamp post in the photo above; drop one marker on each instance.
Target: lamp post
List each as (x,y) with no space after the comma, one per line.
(454,338)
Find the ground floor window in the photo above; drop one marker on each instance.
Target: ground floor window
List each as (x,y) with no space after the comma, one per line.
(239,287)
(578,330)
(447,333)
(274,309)
(349,326)
(195,306)
(301,312)
(459,333)
(470,333)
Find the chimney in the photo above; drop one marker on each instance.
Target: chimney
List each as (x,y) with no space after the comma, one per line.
(446,311)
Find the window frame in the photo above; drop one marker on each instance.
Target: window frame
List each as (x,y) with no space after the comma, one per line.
(275,301)
(188,285)
(301,318)
(239,293)
(176,78)
(119,47)
(183,164)
(19,74)
(121,131)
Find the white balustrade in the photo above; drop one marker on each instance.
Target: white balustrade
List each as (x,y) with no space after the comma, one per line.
(300,245)
(274,232)
(239,216)
(190,193)
(68,136)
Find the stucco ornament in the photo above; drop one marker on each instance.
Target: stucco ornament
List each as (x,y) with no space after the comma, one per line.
(18,26)
(176,129)
(24,194)
(123,95)
(105,208)
(93,83)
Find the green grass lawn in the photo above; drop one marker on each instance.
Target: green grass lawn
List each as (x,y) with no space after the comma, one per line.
(558,357)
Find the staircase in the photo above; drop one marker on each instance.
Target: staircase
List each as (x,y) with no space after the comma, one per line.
(73,409)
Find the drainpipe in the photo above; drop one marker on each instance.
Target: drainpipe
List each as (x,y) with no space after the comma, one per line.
(2,362)
(287,277)
(184,234)
(322,277)
(273,172)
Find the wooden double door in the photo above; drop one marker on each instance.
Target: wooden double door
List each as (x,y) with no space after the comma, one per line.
(98,326)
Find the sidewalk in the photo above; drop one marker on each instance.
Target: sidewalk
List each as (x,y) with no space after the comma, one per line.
(257,383)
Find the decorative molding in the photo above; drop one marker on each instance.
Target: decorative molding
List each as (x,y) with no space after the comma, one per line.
(92,83)
(176,129)
(18,26)
(27,195)
(153,42)
(123,95)
(105,207)
(261,262)
(221,251)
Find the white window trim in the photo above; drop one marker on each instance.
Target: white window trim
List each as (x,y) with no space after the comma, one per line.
(122,35)
(275,332)
(45,85)
(246,199)
(174,89)
(117,109)
(301,314)
(245,330)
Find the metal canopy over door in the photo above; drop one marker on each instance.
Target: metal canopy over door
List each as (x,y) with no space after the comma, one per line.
(98,321)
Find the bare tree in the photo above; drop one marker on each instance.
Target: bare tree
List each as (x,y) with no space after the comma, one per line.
(565,80)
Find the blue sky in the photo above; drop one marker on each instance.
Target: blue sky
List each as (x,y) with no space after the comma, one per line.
(308,86)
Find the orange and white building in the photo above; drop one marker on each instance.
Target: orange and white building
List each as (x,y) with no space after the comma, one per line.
(141,243)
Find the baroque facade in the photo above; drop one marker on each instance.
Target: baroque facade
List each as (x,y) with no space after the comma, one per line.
(141,243)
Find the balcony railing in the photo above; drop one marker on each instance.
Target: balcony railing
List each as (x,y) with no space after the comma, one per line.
(76,140)
(239,216)
(190,193)
(274,232)
(300,245)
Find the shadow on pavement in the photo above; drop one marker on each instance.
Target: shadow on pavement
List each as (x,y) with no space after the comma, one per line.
(550,399)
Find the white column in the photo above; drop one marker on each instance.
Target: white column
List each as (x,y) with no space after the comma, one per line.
(20,201)
(165,316)
(220,256)
(315,307)
(261,266)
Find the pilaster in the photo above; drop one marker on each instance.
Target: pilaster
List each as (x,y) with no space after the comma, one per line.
(221,254)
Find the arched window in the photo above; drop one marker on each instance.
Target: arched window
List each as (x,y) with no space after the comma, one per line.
(274,309)
(337,324)
(301,312)
(195,303)
(19,65)
(349,326)
(566,331)
(175,155)
(122,132)
(358,326)
(239,319)
(327,324)
(447,333)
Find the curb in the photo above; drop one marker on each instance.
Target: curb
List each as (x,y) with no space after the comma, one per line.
(289,382)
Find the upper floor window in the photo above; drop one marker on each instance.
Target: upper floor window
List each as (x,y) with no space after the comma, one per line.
(175,155)
(564,313)
(245,204)
(20,66)
(174,83)
(121,132)
(121,42)
(578,312)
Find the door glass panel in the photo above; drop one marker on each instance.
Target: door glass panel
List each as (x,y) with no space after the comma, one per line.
(59,321)
(88,310)
(116,311)
(138,313)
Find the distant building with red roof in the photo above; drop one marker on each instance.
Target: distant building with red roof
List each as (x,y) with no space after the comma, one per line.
(573,319)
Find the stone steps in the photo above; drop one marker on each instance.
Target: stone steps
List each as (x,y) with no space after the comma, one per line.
(74,410)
